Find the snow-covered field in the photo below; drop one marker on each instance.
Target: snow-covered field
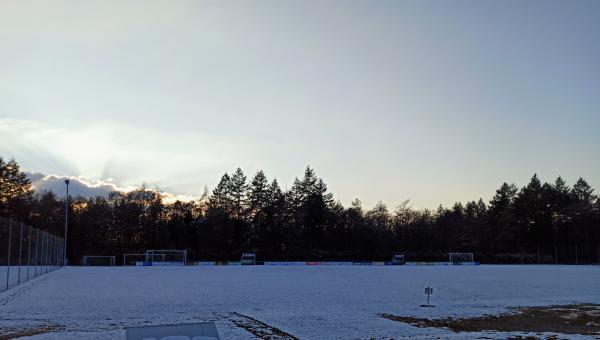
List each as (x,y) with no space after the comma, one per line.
(308,302)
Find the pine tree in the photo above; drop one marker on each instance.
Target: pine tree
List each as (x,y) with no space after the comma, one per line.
(258,201)
(583,192)
(238,191)
(258,197)
(221,200)
(15,190)
(503,199)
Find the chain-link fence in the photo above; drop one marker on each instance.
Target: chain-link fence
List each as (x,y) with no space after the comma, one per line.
(26,253)
(544,255)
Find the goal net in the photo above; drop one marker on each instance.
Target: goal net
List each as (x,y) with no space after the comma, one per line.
(95,260)
(460,258)
(164,257)
(134,259)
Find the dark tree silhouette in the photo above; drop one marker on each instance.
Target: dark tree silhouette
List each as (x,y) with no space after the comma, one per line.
(539,222)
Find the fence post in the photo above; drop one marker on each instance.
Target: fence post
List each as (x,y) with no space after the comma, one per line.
(521,255)
(43,254)
(57,263)
(20,253)
(556,254)
(47,252)
(61,247)
(8,258)
(28,253)
(37,243)
(51,253)
(576,255)
(538,249)
(55,253)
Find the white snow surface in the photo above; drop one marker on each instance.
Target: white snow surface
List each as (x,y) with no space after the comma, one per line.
(309,302)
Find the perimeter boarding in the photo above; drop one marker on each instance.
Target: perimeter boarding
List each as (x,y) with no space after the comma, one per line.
(179,258)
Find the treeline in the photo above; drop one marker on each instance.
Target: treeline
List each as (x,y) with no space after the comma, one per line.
(306,222)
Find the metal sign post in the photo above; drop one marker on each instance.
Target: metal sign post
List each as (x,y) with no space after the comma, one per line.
(428,291)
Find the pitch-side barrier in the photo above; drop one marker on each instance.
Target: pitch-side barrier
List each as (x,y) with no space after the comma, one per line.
(334,263)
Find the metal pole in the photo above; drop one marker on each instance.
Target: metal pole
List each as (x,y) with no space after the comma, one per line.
(20,253)
(42,254)
(53,252)
(66,219)
(50,255)
(60,252)
(28,253)
(576,256)
(521,255)
(8,258)
(44,249)
(37,243)
(47,252)
(54,255)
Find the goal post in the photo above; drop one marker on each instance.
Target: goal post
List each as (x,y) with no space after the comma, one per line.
(166,257)
(461,258)
(98,260)
(134,259)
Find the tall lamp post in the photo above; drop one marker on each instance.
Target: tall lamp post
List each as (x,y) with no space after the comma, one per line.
(66,222)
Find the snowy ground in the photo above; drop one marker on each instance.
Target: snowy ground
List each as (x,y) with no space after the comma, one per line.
(320,302)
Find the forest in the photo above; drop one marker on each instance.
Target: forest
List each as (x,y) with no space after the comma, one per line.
(538,223)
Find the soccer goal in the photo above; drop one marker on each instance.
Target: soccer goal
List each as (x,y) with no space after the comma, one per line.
(461,258)
(134,260)
(166,257)
(96,260)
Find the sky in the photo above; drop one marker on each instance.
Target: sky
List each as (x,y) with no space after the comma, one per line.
(432,101)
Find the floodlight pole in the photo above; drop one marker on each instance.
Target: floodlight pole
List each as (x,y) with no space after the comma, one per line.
(66,222)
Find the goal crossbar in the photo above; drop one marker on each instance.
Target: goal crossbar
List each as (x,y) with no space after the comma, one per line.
(166,256)
(98,260)
(460,258)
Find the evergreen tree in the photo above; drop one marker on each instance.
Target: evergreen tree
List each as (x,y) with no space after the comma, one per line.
(221,200)
(238,192)
(259,195)
(15,190)
(583,192)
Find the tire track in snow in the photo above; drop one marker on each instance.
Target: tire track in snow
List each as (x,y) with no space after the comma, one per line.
(259,328)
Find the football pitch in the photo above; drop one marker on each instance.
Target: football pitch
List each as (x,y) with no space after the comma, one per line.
(299,302)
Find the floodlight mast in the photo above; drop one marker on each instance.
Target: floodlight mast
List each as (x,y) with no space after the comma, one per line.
(66,222)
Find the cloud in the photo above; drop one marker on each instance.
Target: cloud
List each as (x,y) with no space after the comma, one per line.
(82,187)
(78,186)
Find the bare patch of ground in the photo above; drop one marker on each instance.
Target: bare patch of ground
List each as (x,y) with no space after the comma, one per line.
(567,319)
(259,328)
(6,334)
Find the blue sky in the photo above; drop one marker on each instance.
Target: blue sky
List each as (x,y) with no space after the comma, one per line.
(433,101)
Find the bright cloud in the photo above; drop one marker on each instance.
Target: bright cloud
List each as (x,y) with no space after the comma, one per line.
(81,186)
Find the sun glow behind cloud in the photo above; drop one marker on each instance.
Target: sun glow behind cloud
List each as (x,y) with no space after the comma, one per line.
(98,155)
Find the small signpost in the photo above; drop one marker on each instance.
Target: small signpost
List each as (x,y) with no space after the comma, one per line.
(429,292)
